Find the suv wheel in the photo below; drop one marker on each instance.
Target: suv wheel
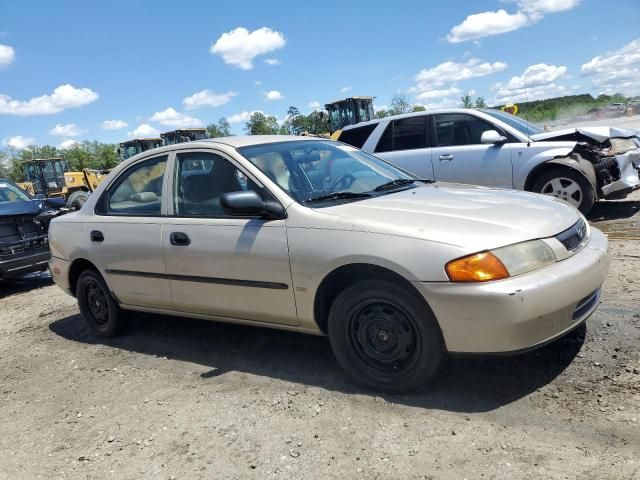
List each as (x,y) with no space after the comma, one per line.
(567,185)
(385,337)
(97,306)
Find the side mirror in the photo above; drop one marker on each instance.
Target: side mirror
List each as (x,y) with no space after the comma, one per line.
(248,202)
(492,137)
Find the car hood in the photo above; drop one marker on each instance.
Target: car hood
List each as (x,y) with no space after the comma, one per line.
(471,217)
(24,207)
(598,134)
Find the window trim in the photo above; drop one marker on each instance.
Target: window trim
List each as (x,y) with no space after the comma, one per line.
(497,128)
(101,207)
(172,185)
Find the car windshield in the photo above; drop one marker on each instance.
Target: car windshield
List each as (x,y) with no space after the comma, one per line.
(315,170)
(11,193)
(520,124)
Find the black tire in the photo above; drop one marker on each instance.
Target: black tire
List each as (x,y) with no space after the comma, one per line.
(586,194)
(97,305)
(77,199)
(385,336)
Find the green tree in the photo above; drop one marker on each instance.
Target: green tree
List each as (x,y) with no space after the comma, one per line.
(219,129)
(466,101)
(400,104)
(261,124)
(480,103)
(418,108)
(316,123)
(383,113)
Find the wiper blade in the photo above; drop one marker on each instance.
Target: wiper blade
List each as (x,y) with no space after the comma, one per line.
(398,182)
(337,196)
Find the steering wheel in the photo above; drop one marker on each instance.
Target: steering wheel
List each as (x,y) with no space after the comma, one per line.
(344,182)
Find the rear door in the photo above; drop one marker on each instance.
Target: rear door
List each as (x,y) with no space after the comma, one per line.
(236,267)
(459,156)
(405,142)
(125,235)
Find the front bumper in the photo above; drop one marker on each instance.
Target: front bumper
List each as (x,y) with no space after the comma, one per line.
(629,166)
(522,312)
(25,262)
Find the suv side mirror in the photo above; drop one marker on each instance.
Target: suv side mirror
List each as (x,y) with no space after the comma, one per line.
(248,202)
(492,137)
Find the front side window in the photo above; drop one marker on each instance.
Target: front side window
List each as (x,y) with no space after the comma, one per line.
(138,191)
(307,170)
(357,136)
(201,179)
(454,129)
(11,193)
(404,134)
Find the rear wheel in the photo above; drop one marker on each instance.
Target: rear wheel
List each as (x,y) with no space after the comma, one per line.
(77,199)
(385,337)
(97,305)
(567,185)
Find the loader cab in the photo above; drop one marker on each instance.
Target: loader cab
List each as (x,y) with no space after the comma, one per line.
(349,111)
(184,135)
(46,176)
(133,147)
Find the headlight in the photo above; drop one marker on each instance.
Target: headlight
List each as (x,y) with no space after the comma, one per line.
(501,262)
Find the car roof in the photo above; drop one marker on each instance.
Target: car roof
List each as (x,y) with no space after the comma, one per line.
(412,114)
(247,140)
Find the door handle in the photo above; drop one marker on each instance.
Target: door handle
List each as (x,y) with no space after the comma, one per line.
(96,236)
(447,156)
(179,239)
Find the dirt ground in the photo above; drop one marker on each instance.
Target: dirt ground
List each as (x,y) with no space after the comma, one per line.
(186,399)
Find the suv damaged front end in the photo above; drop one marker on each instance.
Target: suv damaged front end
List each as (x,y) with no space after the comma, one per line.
(614,154)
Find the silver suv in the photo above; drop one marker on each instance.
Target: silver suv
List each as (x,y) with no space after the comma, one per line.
(493,148)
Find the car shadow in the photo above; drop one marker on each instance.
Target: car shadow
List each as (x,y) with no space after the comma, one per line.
(613,210)
(466,384)
(25,283)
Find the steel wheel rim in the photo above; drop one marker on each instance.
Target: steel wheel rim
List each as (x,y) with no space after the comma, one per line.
(565,189)
(97,303)
(383,337)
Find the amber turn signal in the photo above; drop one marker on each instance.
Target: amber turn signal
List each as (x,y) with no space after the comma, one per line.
(479,267)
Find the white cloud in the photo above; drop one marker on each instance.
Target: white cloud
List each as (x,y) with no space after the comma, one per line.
(485,24)
(452,72)
(18,142)
(272,95)
(172,118)
(315,105)
(67,144)
(272,61)
(442,103)
(536,82)
(427,94)
(258,83)
(68,130)
(144,130)
(345,89)
(207,98)
(239,46)
(7,55)
(63,97)
(378,108)
(113,124)
(241,117)
(616,71)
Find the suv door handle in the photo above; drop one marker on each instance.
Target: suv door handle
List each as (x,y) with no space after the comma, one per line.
(179,239)
(447,156)
(96,236)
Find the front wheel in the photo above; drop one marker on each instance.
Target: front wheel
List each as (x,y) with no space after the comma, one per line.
(97,306)
(385,336)
(567,185)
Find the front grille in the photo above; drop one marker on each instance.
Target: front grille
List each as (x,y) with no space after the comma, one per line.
(573,237)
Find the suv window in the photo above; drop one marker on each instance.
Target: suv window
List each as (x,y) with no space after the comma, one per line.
(138,191)
(459,129)
(404,134)
(202,178)
(357,136)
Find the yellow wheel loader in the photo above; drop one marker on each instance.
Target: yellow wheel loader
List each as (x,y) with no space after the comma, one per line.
(348,111)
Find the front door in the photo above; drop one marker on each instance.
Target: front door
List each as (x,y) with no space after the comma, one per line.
(125,236)
(459,156)
(218,264)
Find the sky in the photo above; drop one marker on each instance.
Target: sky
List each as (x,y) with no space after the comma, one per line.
(113,70)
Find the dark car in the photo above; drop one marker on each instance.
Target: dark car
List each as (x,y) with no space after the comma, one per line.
(24,221)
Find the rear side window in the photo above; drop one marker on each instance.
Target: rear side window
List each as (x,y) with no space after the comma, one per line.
(459,129)
(404,134)
(138,191)
(357,136)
